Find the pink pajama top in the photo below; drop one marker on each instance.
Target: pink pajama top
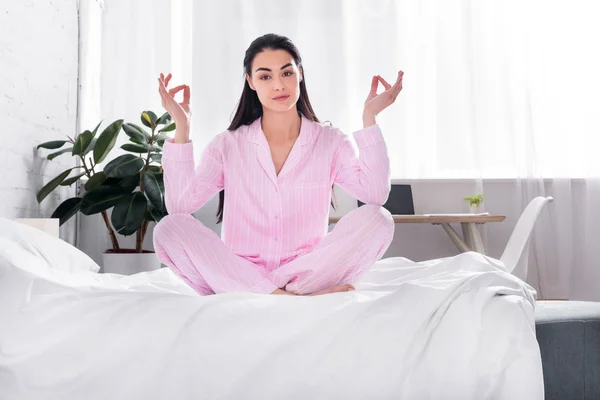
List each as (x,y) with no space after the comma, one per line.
(271,219)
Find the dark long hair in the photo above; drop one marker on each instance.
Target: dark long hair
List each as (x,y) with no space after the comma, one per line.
(249,107)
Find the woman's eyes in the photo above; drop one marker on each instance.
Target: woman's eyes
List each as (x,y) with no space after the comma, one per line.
(286,73)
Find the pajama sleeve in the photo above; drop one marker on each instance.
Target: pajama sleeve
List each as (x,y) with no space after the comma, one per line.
(365,176)
(186,189)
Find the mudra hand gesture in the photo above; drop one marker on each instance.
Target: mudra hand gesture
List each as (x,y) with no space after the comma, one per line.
(376,103)
(180,112)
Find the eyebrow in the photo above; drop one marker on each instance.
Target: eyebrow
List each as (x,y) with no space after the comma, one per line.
(269,69)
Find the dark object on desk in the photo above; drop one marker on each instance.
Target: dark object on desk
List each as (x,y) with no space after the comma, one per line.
(400,201)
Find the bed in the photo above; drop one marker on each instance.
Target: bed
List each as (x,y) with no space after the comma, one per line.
(461,328)
(568,333)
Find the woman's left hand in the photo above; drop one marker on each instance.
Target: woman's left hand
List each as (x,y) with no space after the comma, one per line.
(376,103)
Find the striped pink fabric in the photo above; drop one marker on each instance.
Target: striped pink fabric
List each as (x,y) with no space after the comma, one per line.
(200,257)
(270,220)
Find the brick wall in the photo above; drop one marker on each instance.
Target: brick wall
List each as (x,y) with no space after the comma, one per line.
(38,102)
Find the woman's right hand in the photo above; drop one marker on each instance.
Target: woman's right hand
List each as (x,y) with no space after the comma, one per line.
(180,112)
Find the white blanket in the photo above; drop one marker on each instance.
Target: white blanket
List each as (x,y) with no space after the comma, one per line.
(460,328)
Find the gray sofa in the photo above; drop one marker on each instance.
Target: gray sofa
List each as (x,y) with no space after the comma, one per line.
(568,333)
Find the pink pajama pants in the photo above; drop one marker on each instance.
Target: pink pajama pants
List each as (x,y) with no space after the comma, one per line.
(201,258)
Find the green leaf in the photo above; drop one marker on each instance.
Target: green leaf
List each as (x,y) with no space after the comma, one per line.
(90,146)
(54,144)
(148,118)
(95,181)
(129,183)
(96,129)
(154,168)
(125,165)
(164,119)
(161,138)
(168,128)
(52,156)
(136,141)
(53,184)
(67,209)
(70,181)
(137,134)
(128,214)
(155,189)
(149,211)
(82,142)
(136,148)
(155,215)
(100,199)
(106,141)
(112,181)
(156,158)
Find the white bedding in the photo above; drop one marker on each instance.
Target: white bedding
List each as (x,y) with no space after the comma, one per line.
(460,328)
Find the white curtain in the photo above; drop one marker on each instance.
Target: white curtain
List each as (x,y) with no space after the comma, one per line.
(493,91)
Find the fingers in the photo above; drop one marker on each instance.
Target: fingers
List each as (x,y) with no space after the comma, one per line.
(164,95)
(398,82)
(161,88)
(176,89)
(399,79)
(165,79)
(169,95)
(384,83)
(162,92)
(161,85)
(393,91)
(398,85)
(374,84)
(186,94)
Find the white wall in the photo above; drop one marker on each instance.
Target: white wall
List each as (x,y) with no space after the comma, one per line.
(38,102)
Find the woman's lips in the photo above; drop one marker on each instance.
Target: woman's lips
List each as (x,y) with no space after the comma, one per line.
(281,98)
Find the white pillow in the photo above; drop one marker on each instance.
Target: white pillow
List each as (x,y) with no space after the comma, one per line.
(55,252)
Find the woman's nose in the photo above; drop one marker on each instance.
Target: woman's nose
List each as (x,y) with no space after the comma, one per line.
(277,84)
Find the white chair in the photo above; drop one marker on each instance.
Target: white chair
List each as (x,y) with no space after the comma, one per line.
(516,253)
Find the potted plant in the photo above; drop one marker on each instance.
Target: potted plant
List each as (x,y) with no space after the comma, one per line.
(131,185)
(474,203)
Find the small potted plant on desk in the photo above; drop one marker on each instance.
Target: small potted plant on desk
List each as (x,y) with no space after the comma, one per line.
(131,185)
(475,203)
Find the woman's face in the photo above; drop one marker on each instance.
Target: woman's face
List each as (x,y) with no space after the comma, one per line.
(276,79)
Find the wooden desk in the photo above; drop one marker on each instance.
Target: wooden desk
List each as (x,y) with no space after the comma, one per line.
(471,239)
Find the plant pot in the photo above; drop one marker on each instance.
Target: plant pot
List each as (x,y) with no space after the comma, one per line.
(128,262)
(475,208)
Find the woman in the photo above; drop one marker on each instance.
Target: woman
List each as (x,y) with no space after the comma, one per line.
(276,164)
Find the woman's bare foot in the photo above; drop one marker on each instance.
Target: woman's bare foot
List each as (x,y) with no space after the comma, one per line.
(281,291)
(334,289)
